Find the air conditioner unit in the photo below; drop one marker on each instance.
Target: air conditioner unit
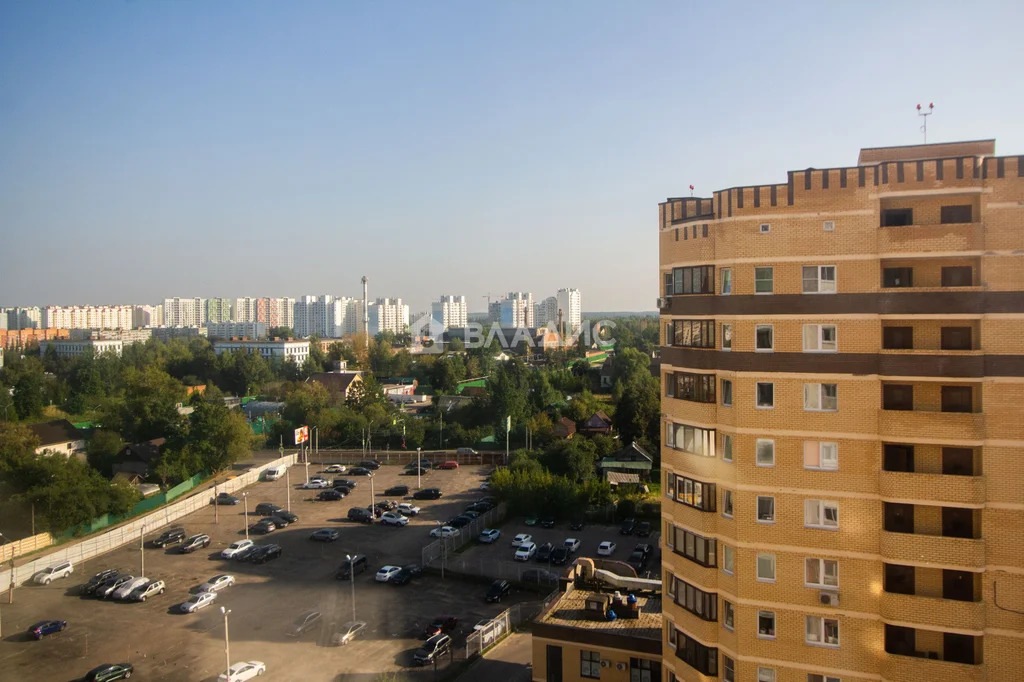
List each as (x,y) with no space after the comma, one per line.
(661,302)
(829,226)
(766,228)
(829,598)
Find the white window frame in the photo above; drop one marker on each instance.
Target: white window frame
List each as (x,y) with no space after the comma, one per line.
(771,272)
(814,398)
(819,331)
(757,451)
(728,609)
(731,396)
(822,573)
(728,560)
(726,337)
(670,434)
(757,396)
(727,447)
(822,285)
(728,669)
(769,557)
(775,623)
(819,508)
(765,674)
(771,330)
(728,504)
(771,517)
(827,453)
(671,580)
(817,637)
(672,634)
(726,281)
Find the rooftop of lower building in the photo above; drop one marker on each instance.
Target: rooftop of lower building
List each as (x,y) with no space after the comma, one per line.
(571,611)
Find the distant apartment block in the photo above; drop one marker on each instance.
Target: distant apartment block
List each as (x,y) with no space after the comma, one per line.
(565,305)
(89,317)
(227,330)
(126,336)
(23,318)
(545,312)
(515,310)
(327,316)
(148,316)
(388,315)
(279,349)
(167,333)
(68,348)
(217,310)
(24,338)
(184,312)
(274,312)
(450,311)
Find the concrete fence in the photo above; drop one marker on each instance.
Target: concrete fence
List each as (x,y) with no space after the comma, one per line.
(24,546)
(131,531)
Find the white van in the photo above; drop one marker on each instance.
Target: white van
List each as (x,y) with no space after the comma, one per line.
(466,451)
(273,473)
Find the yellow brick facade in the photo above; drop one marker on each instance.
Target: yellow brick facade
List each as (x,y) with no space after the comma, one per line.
(924,500)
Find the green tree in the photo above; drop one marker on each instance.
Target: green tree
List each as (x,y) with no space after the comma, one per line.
(28,394)
(217,435)
(248,373)
(150,406)
(638,413)
(281,333)
(102,450)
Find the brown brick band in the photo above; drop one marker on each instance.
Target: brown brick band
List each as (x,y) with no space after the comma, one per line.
(880,303)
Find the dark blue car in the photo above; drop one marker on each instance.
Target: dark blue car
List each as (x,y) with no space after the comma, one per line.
(47,627)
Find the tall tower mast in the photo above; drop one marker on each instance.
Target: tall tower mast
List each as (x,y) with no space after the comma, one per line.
(366,312)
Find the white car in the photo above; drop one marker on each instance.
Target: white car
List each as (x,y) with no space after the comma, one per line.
(525,551)
(386,573)
(198,601)
(521,539)
(121,593)
(148,590)
(236,547)
(217,583)
(571,544)
(445,532)
(348,632)
(488,535)
(336,469)
(606,548)
(61,570)
(408,509)
(393,518)
(316,484)
(243,671)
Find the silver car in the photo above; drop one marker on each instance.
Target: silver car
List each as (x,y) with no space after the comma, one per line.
(61,570)
(122,592)
(143,592)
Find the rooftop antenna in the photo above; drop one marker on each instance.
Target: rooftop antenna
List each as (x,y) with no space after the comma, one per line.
(925,115)
(691,190)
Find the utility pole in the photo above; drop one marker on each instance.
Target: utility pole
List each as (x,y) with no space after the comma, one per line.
(142,550)
(227,642)
(216,512)
(288,488)
(33,518)
(440,436)
(419,463)
(245,501)
(352,574)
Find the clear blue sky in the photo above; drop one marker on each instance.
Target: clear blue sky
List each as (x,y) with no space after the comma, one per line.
(155,148)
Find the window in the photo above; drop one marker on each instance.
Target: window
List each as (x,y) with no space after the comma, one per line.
(726,280)
(815,677)
(819,279)
(822,631)
(728,669)
(897,277)
(897,397)
(766,567)
(702,604)
(821,455)
(727,392)
(693,333)
(821,397)
(898,338)
(764,281)
(670,386)
(955,214)
(819,338)
(728,615)
(766,624)
(956,338)
(957,276)
(764,337)
(821,573)
(670,435)
(766,675)
(690,438)
(956,399)
(672,639)
(696,548)
(728,559)
(726,448)
(695,280)
(702,658)
(765,509)
(644,670)
(696,494)
(765,452)
(699,388)
(727,504)
(821,514)
(765,394)
(897,217)
(726,337)
(590,664)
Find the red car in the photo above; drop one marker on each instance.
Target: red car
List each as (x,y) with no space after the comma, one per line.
(442,624)
(448,465)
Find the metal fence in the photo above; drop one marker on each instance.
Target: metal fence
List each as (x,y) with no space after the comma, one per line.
(444,548)
(25,546)
(485,635)
(403,457)
(131,531)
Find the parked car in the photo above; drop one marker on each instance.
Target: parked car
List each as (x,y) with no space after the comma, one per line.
(544,552)
(471,514)
(347,632)
(273,473)
(638,558)
(406,574)
(560,556)
(643,529)
(525,551)
(349,567)
(397,491)
(421,471)
(547,522)
(108,672)
(466,451)
(627,527)
(246,670)
(460,521)
(439,625)
(325,535)
(386,573)
(98,579)
(336,469)
(198,601)
(572,545)
(344,483)
(606,548)
(488,535)
(427,494)
(371,464)
(286,515)
(479,508)
(330,495)
(497,590)
(148,590)
(360,514)
(385,505)
(46,627)
(359,471)
(267,509)
(408,509)
(246,552)
(217,583)
(393,518)
(448,465)
(171,536)
(530,521)
(55,572)
(278,521)
(195,542)
(316,484)
(125,589)
(445,532)
(108,588)
(236,547)
(434,647)
(422,463)
(576,524)
(226,498)
(265,553)
(263,526)
(521,538)
(304,622)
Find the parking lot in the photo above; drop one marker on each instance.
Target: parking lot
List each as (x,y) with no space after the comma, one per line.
(166,645)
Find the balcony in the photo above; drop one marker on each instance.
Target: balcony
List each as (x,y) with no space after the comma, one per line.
(899,485)
(895,667)
(943,613)
(897,425)
(940,238)
(932,550)
(703,630)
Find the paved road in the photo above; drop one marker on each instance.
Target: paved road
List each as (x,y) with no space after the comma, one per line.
(509,661)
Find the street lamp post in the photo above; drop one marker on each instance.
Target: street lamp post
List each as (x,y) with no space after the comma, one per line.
(245,501)
(419,462)
(216,512)
(288,487)
(440,536)
(352,575)
(142,549)
(227,642)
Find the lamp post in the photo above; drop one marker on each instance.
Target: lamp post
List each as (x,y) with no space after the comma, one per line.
(352,575)
(288,488)
(315,437)
(227,642)
(216,512)
(245,501)
(419,462)
(142,550)
(440,536)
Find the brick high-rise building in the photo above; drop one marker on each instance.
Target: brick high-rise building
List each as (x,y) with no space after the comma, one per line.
(843,381)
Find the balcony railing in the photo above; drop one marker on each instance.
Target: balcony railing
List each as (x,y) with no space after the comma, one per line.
(900,485)
(942,237)
(898,424)
(932,550)
(943,613)
(896,667)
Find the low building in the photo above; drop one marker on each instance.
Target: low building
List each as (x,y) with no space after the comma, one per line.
(228,330)
(58,437)
(631,459)
(599,422)
(338,383)
(167,333)
(67,348)
(138,460)
(565,428)
(281,349)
